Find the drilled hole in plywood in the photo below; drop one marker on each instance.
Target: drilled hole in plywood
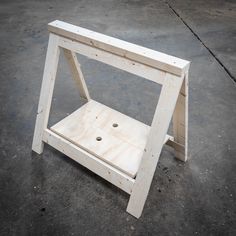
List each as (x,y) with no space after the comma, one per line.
(115,125)
(99,139)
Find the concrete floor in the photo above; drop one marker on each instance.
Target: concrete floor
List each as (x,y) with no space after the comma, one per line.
(52,195)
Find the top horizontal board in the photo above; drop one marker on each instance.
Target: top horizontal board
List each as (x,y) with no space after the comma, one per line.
(122,48)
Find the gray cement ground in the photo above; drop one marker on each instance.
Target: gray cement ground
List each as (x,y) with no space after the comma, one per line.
(52,195)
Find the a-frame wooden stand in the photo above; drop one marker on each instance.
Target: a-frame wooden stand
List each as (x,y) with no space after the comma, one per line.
(120,149)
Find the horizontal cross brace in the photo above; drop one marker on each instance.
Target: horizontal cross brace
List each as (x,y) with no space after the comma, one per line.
(91,162)
(108,58)
(119,47)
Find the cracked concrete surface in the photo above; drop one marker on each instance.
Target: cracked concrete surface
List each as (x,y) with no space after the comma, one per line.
(52,195)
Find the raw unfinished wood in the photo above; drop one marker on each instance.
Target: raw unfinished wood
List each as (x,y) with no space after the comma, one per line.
(49,76)
(122,138)
(77,73)
(119,47)
(116,61)
(180,122)
(159,128)
(118,148)
(91,162)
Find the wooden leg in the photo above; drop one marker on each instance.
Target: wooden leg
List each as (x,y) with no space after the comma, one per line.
(160,124)
(49,76)
(180,122)
(77,73)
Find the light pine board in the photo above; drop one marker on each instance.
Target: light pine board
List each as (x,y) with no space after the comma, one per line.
(95,164)
(122,146)
(119,47)
(49,77)
(157,134)
(180,122)
(77,73)
(123,63)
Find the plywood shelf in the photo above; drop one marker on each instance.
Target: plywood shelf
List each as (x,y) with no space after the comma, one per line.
(106,133)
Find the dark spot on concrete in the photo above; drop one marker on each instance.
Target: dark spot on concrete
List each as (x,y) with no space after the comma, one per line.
(165,169)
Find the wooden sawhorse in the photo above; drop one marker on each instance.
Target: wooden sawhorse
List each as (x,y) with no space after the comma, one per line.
(118,148)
